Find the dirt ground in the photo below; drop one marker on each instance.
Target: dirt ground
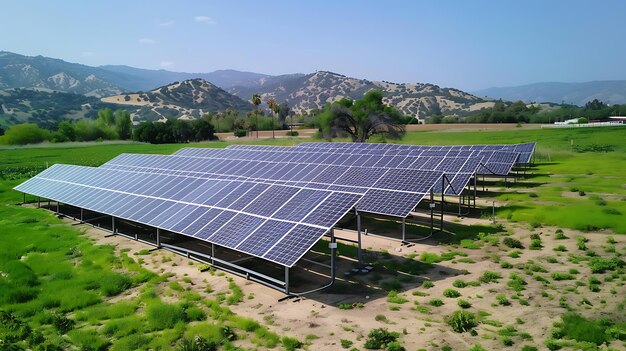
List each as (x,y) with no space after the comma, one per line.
(317,319)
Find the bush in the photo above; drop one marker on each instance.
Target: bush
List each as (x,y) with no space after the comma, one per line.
(461,321)
(292,133)
(346,344)
(291,343)
(451,293)
(395,346)
(22,134)
(581,329)
(435,302)
(198,343)
(464,304)
(427,284)
(163,315)
(379,338)
(393,297)
(562,276)
(240,133)
(114,283)
(502,300)
(513,243)
(601,265)
(489,277)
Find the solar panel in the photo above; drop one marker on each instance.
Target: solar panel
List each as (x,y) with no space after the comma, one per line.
(234,225)
(330,177)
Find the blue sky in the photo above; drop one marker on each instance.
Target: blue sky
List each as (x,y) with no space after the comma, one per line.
(462,44)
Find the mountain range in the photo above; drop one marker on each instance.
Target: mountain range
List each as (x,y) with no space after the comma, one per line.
(608,91)
(157,94)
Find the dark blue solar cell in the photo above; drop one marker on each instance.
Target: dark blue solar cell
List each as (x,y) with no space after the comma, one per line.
(214,225)
(300,205)
(392,203)
(248,197)
(268,202)
(174,215)
(265,237)
(331,210)
(236,230)
(294,245)
(196,220)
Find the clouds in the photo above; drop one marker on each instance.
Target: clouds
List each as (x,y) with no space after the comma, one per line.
(87,54)
(166,23)
(146,41)
(204,19)
(166,63)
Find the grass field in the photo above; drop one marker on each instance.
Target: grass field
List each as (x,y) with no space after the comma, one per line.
(58,290)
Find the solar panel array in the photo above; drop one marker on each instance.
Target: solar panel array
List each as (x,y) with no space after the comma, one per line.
(458,170)
(386,191)
(276,222)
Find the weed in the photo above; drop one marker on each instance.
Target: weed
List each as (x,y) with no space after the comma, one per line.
(346,344)
(435,302)
(560,248)
(464,303)
(451,293)
(427,284)
(461,321)
(393,297)
(379,338)
(513,243)
(291,344)
(489,277)
(502,300)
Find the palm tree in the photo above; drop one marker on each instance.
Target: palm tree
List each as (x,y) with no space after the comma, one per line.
(274,107)
(256,101)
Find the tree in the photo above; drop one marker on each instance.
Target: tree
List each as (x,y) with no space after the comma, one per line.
(283,113)
(363,118)
(271,103)
(21,134)
(256,101)
(123,124)
(595,104)
(66,130)
(105,117)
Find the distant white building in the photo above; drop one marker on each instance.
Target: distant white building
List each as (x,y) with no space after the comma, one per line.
(569,121)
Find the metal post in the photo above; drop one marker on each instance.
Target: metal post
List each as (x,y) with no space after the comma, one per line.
(460,198)
(333,251)
(212,253)
(48,203)
(113,230)
(81,214)
(286,280)
(432,210)
(58,208)
(403,229)
(158,238)
(494,212)
(475,175)
(358,230)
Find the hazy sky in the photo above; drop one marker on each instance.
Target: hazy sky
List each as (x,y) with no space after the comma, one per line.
(463,44)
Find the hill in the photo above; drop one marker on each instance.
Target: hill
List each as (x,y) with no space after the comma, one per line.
(18,71)
(609,91)
(310,92)
(188,99)
(46,108)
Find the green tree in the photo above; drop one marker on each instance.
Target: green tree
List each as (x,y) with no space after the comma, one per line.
(66,130)
(105,117)
(363,118)
(274,107)
(21,134)
(256,101)
(123,124)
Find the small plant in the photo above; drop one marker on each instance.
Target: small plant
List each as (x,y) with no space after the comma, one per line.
(381,318)
(514,254)
(506,265)
(559,235)
(502,300)
(451,293)
(560,248)
(507,341)
(464,303)
(513,243)
(427,284)
(346,344)
(610,240)
(436,302)
(291,344)
(458,283)
(461,321)
(379,338)
(393,297)
(489,277)
(558,276)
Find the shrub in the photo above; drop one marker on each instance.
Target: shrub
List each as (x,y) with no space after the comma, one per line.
(435,302)
(601,265)
(61,323)
(558,276)
(163,315)
(458,283)
(506,265)
(293,133)
(535,244)
(240,133)
(461,321)
(451,293)
(489,277)
(559,235)
(610,240)
(114,283)
(379,338)
(427,284)
(560,248)
(502,300)
(581,329)
(464,304)
(517,282)
(291,343)
(198,343)
(393,297)
(346,344)
(513,243)
(395,346)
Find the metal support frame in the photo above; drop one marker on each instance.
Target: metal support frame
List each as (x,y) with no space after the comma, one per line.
(358,229)
(403,229)
(58,208)
(158,238)
(113,229)
(82,216)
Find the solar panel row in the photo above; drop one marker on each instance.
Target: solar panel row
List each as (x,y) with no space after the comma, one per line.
(275,222)
(361,180)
